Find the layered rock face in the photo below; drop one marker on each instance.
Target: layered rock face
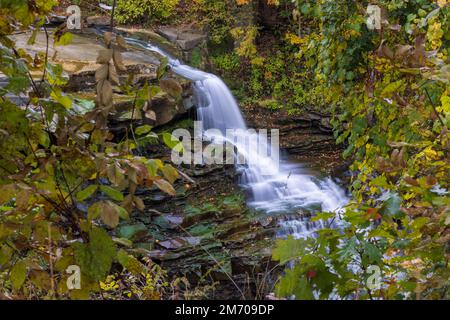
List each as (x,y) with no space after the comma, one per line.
(191,43)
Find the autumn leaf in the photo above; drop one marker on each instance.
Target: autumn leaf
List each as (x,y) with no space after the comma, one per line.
(104,56)
(165,186)
(18,274)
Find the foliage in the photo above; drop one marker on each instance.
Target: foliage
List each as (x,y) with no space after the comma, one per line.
(133,11)
(58,156)
(390,93)
(215,17)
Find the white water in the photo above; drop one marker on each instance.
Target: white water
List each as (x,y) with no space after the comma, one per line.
(274,188)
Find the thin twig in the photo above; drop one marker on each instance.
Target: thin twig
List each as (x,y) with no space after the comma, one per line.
(112,15)
(434,107)
(50,258)
(131,123)
(44,72)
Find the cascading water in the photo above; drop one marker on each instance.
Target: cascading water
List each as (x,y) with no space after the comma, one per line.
(274,187)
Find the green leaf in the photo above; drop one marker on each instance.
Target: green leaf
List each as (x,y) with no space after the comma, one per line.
(170,173)
(18,84)
(153,165)
(86,193)
(295,283)
(419,222)
(32,39)
(95,210)
(289,249)
(112,193)
(44,139)
(123,213)
(64,40)
(83,106)
(124,242)
(323,216)
(56,76)
(392,207)
(172,142)
(65,101)
(5,254)
(95,258)
(391,88)
(130,231)
(372,253)
(359,125)
(143,130)
(162,69)
(18,274)
(349,250)
(130,263)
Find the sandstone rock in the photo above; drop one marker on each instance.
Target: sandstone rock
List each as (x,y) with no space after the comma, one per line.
(57,19)
(98,21)
(166,108)
(78,60)
(325,125)
(79,57)
(170,34)
(155,38)
(188,41)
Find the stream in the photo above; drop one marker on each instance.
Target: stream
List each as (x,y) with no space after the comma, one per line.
(274,188)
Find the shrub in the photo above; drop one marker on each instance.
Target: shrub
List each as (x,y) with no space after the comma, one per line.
(132,11)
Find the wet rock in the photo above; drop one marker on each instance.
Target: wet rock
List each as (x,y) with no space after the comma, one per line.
(154,38)
(191,219)
(169,221)
(304,144)
(132,231)
(175,243)
(54,19)
(209,230)
(188,103)
(306,137)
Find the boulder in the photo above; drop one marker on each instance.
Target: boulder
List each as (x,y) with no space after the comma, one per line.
(170,34)
(188,41)
(163,108)
(166,108)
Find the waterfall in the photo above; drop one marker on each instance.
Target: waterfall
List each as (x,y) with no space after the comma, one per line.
(274,187)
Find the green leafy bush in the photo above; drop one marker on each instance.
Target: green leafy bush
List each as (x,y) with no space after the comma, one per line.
(390,95)
(132,11)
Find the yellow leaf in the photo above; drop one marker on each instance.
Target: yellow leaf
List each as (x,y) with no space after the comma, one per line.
(165,186)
